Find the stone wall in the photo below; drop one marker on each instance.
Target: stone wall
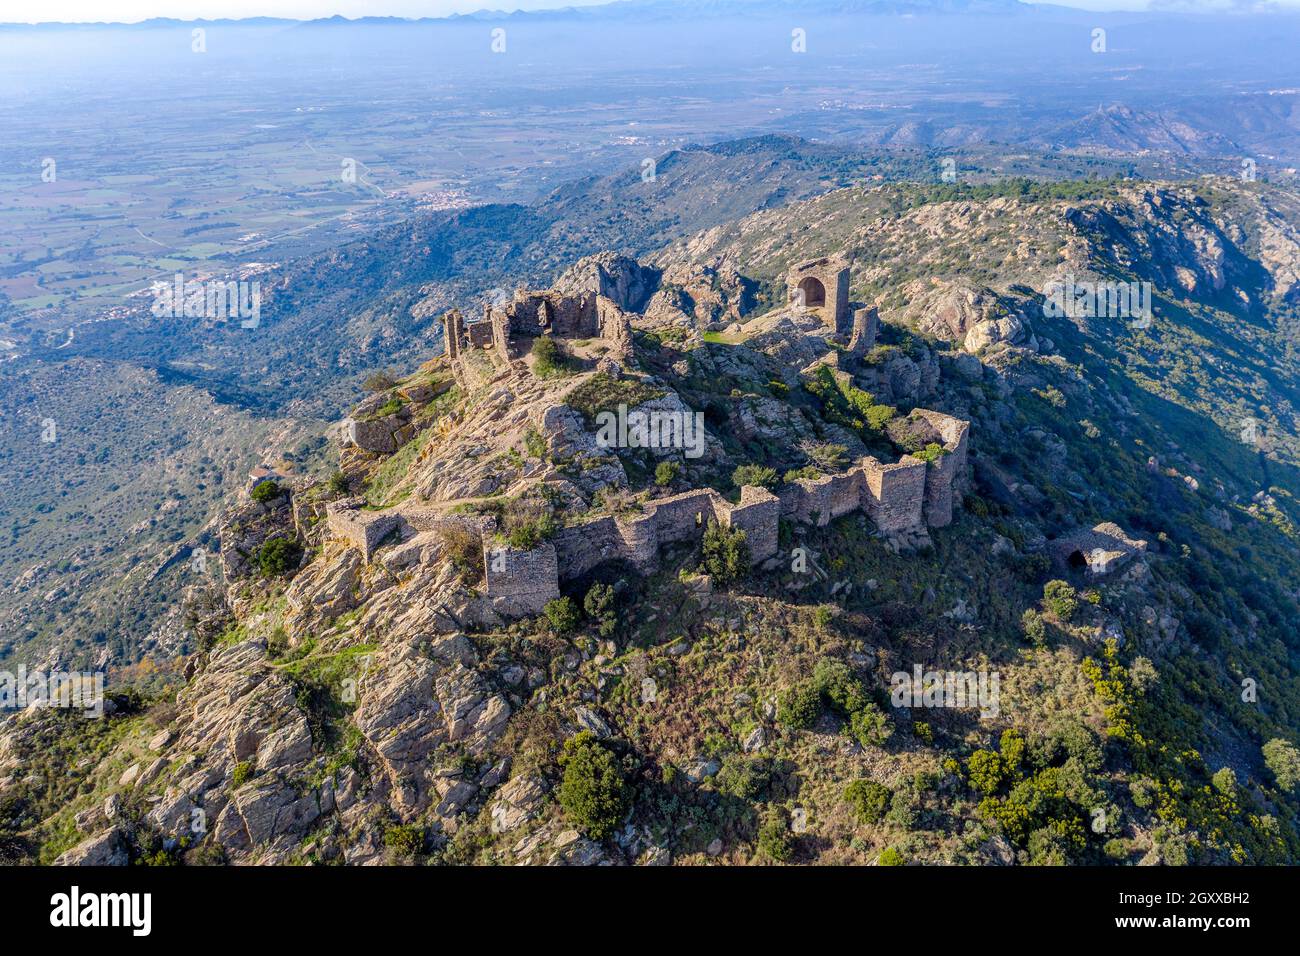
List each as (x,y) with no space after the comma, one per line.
(866,326)
(505,329)
(1099,550)
(832,272)
(361,529)
(946,479)
(520,582)
(759,516)
(637,540)
(898,498)
(453,330)
(480,335)
(615,328)
(895,494)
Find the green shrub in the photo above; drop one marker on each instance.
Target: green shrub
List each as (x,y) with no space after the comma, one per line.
(1061,599)
(534,443)
(797,707)
(904,807)
(846,696)
(525,534)
(827,456)
(869,726)
(600,607)
(592,790)
(278,556)
(602,392)
(378,382)
(666,472)
(878,417)
(242,773)
(834,685)
(463,548)
(264,492)
(1225,781)
(759,475)
(745,778)
(1282,759)
(986,771)
(725,553)
(869,800)
(1056,844)
(930,453)
(774,840)
(338,483)
(548,359)
(890,857)
(1143,791)
(561,614)
(1031,622)
(1117,849)
(404,839)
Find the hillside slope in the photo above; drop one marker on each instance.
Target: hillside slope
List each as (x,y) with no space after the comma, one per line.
(376,703)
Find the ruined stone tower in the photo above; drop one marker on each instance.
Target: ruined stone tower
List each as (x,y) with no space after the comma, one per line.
(823,285)
(866,325)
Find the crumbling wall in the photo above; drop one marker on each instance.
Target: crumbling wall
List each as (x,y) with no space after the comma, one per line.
(498,320)
(615,328)
(866,326)
(895,494)
(811,501)
(453,330)
(832,272)
(479,335)
(1103,548)
(685,516)
(846,493)
(520,582)
(581,548)
(947,474)
(759,516)
(361,529)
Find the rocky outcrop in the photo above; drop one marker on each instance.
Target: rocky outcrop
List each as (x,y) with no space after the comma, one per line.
(418,700)
(248,525)
(104,849)
(619,278)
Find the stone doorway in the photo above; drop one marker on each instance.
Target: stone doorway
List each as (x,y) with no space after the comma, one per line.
(812,293)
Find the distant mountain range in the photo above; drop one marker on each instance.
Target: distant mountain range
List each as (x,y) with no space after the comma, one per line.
(651,9)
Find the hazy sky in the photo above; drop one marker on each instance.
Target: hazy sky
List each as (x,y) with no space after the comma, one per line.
(24,11)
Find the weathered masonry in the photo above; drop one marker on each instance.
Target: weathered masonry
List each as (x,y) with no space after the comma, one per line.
(507,331)
(1099,550)
(905,496)
(823,284)
(908,495)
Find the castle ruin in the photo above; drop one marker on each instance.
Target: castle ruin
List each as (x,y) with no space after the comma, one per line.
(823,284)
(902,499)
(507,331)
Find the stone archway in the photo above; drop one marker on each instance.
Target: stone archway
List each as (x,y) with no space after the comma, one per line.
(812,292)
(1078,561)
